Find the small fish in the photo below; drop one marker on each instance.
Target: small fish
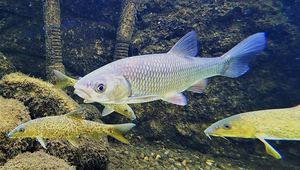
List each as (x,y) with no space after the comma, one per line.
(164,76)
(123,109)
(274,124)
(69,126)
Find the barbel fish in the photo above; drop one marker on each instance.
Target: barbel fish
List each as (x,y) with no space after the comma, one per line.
(164,76)
(69,126)
(273,124)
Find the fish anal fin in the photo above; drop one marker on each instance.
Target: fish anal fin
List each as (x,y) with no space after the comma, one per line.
(270,150)
(94,135)
(176,98)
(186,46)
(41,141)
(199,87)
(75,115)
(74,140)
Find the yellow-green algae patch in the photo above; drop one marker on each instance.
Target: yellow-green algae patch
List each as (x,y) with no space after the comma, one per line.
(37,160)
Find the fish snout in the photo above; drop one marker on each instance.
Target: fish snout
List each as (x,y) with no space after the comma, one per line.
(207,133)
(10,135)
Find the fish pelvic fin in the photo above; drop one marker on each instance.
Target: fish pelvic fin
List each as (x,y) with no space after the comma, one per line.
(41,141)
(117,131)
(176,98)
(199,87)
(238,58)
(186,46)
(270,150)
(64,80)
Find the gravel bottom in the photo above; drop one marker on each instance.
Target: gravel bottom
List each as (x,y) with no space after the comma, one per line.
(132,157)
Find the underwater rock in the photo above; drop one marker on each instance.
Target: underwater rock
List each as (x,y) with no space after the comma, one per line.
(38,95)
(37,160)
(12,114)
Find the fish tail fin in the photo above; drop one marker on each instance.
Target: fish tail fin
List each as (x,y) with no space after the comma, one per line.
(116,131)
(238,58)
(64,80)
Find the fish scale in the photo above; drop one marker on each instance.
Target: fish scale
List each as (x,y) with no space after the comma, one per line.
(172,73)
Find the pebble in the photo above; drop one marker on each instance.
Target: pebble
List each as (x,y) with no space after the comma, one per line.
(171,160)
(178,164)
(146,158)
(157,156)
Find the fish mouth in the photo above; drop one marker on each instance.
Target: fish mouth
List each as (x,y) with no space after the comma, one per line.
(10,135)
(82,94)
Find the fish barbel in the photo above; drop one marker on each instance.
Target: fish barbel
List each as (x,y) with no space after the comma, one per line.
(69,126)
(273,124)
(164,76)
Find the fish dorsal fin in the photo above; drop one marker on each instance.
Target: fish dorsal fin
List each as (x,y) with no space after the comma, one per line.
(41,140)
(73,140)
(270,150)
(186,46)
(76,115)
(199,87)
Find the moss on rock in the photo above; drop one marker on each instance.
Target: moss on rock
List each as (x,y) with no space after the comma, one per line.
(12,114)
(37,160)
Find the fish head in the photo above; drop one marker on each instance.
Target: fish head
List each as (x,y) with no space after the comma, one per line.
(24,130)
(103,88)
(232,126)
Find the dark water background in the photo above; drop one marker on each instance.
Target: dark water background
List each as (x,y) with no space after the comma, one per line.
(89,35)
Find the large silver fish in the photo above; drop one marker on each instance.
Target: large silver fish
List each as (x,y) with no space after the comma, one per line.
(164,76)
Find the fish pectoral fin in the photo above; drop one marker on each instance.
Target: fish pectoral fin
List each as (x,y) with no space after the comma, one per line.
(41,140)
(94,136)
(141,99)
(73,140)
(175,98)
(199,87)
(88,101)
(186,46)
(108,109)
(270,150)
(76,115)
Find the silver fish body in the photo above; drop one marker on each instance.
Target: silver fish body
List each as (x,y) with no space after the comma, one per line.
(164,76)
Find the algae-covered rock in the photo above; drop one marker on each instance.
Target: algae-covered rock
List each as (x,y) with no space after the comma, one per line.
(38,95)
(12,114)
(37,160)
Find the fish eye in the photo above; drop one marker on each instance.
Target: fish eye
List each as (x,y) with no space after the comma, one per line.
(21,130)
(227,126)
(100,88)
